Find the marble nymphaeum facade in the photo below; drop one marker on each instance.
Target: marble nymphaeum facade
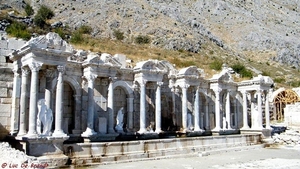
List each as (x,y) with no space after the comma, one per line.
(85,90)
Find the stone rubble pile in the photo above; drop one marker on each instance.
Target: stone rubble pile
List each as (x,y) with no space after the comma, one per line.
(289,138)
(10,155)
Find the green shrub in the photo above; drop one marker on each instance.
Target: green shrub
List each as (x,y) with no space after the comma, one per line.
(18,30)
(295,84)
(77,38)
(279,80)
(216,65)
(42,15)
(118,34)
(141,39)
(241,69)
(84,29)
(60,32)
(29,10)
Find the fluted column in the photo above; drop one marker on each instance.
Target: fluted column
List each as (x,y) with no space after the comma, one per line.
(15,101)
(59,104)
(158,108)
(184,106)
(267,111)
(143,107)
(228,119)
(90,119)
(110,106)
(245,114)
(217,110)
(196,110)
(23,102)
(34,67)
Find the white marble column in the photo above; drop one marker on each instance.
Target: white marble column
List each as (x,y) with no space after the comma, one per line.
(90,119)
(130,113)
(15,108)
(259,105)
(23,102)
(267,111)
(34,67)
(158,108)
(196,110)
(217,110)
(59,104)
(143,106)
(110,106)
(228,119)
(184,106)
(245,113)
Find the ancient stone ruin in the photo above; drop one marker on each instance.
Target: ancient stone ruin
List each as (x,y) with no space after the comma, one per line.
(92,98)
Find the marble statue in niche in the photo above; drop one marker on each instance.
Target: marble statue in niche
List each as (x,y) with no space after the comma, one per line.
(44,118)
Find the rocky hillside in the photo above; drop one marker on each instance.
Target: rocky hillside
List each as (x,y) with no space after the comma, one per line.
(264,30)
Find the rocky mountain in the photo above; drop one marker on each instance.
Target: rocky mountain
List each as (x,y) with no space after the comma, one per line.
(264,30)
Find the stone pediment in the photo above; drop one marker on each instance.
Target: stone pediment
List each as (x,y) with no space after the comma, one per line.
(189,72)
(150,66)
(50,41)
(103,59)
(224,76)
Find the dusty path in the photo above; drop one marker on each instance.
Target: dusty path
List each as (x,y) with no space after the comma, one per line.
(261,158)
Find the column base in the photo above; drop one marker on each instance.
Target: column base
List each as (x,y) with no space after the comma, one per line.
(59,134)
(245,128)
(142,131)
(158,131)
(88,133)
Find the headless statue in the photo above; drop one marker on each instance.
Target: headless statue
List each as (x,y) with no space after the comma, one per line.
(120,117)
(45,117)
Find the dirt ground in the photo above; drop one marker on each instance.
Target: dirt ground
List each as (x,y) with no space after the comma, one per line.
(259,158)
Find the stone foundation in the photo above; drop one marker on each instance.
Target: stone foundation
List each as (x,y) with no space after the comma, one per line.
(106,152)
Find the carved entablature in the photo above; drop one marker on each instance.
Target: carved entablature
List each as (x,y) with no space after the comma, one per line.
(49,49)
(257,83)
(150,70)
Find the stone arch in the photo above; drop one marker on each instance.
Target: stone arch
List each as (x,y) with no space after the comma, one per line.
(281,98)
(126,86)
(74,84)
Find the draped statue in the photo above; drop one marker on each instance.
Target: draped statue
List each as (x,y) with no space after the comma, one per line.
(44,118)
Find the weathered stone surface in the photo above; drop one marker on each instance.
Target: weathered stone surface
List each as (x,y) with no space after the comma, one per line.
(3,92)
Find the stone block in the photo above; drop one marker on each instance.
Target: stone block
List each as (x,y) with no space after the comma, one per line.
(5,101)
(2,58)
(3,92)
(102,125)
(4,121)
(3,44)
(15,44)
(5,110)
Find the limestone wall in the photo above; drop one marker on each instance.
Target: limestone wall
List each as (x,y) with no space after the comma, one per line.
(292,115)
(6,88)
(6,81)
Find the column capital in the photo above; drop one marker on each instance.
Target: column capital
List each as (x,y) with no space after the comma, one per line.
(160,84)
(142,82)
(35,66)
(90,77)
(259,91)
(217,90)
(184,86)
(50,73)
(61,68)
(25,71)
